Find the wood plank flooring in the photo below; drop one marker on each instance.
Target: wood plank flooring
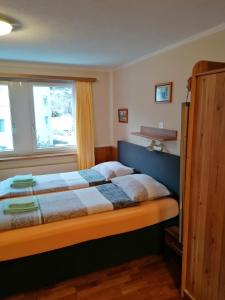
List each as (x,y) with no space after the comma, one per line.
(148,278)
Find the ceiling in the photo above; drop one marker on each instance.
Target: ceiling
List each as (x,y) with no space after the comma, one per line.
(102,33)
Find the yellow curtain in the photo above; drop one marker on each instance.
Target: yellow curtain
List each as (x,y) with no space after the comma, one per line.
(84,125)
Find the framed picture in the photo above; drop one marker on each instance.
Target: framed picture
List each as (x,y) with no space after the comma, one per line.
(123,115)
(163,92)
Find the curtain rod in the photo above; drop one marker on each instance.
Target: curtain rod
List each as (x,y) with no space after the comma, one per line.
(31,77)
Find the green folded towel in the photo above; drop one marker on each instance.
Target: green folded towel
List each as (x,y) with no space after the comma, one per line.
(22,181)
(19,185)
(20,205)
(8,210)
(23,178)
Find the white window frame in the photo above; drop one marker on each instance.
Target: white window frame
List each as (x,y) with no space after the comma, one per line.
(14,106)
(51,149)
(9,152)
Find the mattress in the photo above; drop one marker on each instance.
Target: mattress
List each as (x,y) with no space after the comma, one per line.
(37,239)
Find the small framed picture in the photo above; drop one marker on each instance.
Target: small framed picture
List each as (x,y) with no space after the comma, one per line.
(123,115)
(163,92)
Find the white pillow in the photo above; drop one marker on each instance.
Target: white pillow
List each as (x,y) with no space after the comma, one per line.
(141,187)
(112,169)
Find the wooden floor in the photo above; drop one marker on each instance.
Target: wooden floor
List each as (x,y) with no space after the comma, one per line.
(148,278)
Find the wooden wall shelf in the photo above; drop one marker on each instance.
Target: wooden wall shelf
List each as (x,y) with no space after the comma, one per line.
(158,134)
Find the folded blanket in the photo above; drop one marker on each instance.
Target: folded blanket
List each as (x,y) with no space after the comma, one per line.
(65,205)
(49,183)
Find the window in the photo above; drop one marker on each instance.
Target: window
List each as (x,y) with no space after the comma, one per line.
(6,140)
(2,125)
(42,116)
(54,116)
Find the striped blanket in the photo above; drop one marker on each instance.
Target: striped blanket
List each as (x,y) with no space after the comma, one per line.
(65,205)
(53,183)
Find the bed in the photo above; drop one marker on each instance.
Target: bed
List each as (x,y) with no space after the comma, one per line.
(40,255)
(50,183)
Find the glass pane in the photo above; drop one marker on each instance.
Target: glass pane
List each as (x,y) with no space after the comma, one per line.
(54,116)
(6,139)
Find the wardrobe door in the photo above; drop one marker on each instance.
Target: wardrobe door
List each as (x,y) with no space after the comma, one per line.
(221,294)
(205,276)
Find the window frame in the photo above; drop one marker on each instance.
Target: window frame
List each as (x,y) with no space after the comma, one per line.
(9,152)
(32,109)
(28,90)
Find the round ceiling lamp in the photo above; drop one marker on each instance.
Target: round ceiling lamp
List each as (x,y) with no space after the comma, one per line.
(5,27)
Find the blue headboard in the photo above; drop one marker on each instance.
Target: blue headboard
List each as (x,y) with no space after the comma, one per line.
(164,167)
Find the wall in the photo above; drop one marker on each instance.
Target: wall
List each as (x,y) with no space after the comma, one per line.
(134,87)
(131,87)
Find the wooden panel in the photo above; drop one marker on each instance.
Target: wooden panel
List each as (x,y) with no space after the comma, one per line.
(205,190)
(183,158)
(114,153)
(103,154)
(221,290)
(206,66)
(186,206)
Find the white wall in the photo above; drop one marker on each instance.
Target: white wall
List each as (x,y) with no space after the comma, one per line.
(134,87)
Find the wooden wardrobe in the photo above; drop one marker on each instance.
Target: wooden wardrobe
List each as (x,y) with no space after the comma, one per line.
(203,272)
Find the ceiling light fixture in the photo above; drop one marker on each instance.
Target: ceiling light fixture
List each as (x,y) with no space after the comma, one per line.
(5,27)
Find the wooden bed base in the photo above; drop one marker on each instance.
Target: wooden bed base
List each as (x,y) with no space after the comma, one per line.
(43,269)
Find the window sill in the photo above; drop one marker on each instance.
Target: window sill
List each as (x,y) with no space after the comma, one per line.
(36,156)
